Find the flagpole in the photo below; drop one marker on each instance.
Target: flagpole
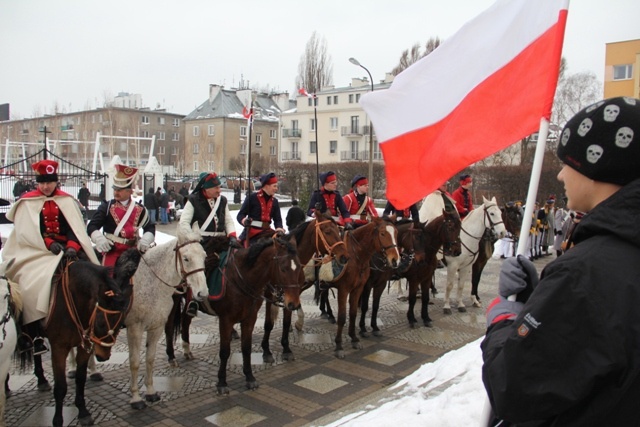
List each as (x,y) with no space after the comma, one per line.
(536,170)
(315,118)
(249,180)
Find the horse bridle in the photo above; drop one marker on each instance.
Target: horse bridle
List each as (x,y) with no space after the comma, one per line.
(382,250)
(320,237)
(180,267)
(491,227)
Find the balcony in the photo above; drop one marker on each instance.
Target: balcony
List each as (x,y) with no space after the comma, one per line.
(353,130)
(291,133)
(66,128)
(359,155)
(289,155)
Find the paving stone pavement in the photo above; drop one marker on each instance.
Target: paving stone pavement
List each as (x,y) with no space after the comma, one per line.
(314,389)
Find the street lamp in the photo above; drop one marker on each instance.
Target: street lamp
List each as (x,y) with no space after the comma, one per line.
(354,61)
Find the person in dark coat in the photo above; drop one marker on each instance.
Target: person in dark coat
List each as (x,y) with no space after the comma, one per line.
(83,196)
(260,209)
(164,208)
(566,352)
(151,204)
(295,216)
(408,213)
(330,199)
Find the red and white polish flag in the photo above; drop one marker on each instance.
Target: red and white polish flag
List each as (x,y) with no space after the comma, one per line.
(483,89)
(303,92)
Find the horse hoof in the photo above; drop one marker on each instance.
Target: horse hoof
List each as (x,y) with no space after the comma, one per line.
(96,377)
(173,363)
(138,405)
(299,326)
(364,334)
(332,320)
(340,354)
(324,316)
(71,374)
(188,356)
(289,357)
(428,323)
(45,386)
(477,304)
(152,398)
(446,311)
(462,309)
(235,335)
(86,421)
(412,324)
(252,385)
(222,390)
(356,345)
(377,333)
(268,358)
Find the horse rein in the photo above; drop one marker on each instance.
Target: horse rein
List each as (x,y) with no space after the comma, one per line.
(320,237)
(491,226)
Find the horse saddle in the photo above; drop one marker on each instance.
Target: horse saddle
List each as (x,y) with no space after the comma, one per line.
(215,278)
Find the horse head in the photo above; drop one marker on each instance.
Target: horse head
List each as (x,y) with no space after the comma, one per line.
(493,217)
(450,234)
(512,218)
(190,260)
(386,240)
(284,273)
(327,238)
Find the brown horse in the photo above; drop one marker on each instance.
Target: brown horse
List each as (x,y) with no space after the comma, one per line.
(379,236)
(87,312)
(512,218)
(270,265)
(411,252)
(318,241)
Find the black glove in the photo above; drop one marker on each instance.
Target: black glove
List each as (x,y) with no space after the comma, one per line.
(233,243)
(247,221)
(71,253)
(518,276)
(348,226)
(56,248)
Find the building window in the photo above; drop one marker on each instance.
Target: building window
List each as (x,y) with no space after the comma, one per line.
(195,166)
(335,99)
(333,147)
(196,131)
(357,97)
(160,120)
(196,149)
(355,124)
(329,100)
(243,148)
(312,124)
(351,98)
(311,102)
(161,136)
(145,119)
(175,136)
(312,147)
(273,134)
(176,122)
(210,148)
(243,131)
(258,139)
(354,150)
(272,150)
(622,72)
(333,123)
(161,150)
(174,151)
(211,130)
(145,149)
(294,124)
(145,134)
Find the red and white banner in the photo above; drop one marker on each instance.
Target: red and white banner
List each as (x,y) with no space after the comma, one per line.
(483,89)
(303,92)
(247,112)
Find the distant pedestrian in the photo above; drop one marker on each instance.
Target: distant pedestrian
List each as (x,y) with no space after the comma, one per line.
(83,196)
(151,204)
(295,216)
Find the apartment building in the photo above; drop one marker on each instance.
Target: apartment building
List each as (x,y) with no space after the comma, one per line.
(217,131)
(333,123)
(622,69)
(133,134)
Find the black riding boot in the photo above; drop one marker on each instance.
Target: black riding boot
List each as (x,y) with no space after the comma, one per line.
(31,339)
(192,309)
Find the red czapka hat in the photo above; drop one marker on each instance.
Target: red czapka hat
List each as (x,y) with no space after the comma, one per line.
(46,170)
(124,176)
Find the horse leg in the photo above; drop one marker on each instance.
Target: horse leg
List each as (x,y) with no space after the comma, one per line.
(476,273)
(82,362)
(375,306)
(354,300)
(300,322)
(451,276)
(342,318)
(267,357)
(43,384)
(225,328)
(330,316)
(413,291)
(153,336)
(71,363)
(287,353)
(134,338)
(425,286)
(169,332)
(246,328)
(58,360)
(364,307)
(94,375)
(463,277)
(185,324)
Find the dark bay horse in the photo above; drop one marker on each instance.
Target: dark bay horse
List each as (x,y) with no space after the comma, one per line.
(512,218)
(317,241)
(270,265)
(379,236)
(87,312)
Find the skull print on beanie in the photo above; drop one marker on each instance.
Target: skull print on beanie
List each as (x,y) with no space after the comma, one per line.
(601,141)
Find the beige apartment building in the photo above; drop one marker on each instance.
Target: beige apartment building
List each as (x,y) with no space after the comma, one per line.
(622,69)
(343,128)
(217,132)
(132,133)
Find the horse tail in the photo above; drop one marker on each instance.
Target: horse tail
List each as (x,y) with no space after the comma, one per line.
(16,298)
(176,315)
(317,291)
(275,310)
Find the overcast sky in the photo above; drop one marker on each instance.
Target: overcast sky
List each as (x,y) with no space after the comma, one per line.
(76,53)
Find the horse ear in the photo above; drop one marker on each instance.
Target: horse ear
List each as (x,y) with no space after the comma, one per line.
(493,199)
(484,199)
(195,227)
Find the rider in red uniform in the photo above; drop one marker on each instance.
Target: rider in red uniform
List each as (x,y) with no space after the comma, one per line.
(360,206)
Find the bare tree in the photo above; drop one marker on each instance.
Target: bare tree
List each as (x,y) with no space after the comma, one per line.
(575,92)
(315,68)
(413,55)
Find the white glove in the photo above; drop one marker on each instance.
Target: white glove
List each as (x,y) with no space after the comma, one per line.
(103,245)
(145,241)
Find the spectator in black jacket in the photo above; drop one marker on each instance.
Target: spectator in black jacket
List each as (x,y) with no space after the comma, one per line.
(295,216)
(151,204)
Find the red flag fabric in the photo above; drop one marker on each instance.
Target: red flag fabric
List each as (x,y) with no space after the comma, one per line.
(247,112)
(483,89)
(303,92)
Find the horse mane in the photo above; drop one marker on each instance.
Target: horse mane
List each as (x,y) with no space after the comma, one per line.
(299,231)
(16,297)
(216,244)
(257,248)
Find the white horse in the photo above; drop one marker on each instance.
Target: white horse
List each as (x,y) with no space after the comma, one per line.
(487,216)
(8,337)
(161,270)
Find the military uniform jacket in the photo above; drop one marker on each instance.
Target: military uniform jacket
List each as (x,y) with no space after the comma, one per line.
(329,201)
(572,355)
(108,217)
